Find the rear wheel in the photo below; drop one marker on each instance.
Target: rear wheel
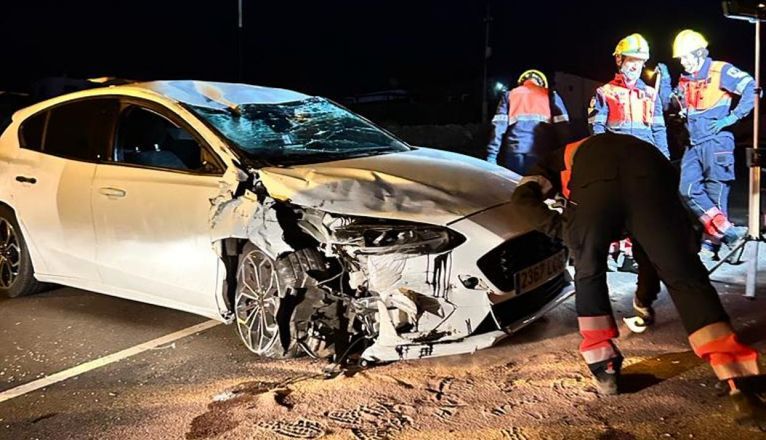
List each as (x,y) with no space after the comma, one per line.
(16,271)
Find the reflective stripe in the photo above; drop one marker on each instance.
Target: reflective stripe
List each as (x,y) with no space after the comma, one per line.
(729,358)
(560,118)
(742,84)
(709,333)
(709,214)
(598,118)
(736,369)
(544,183)
(602,322)
(500,118)
(637,125)
(726,102)
(527,117)
(600,354)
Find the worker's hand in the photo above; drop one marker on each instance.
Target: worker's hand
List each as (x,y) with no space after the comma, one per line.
(663,70)
(722,123)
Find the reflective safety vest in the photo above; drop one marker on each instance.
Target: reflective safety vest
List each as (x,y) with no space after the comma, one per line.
(707,97)
(566,173)
(628,107)
(705,93)
(529,102)
(634,110)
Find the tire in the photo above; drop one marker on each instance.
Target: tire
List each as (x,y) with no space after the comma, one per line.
(16,271)
(267,297)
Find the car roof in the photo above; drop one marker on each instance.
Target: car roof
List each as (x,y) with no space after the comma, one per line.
(219,95)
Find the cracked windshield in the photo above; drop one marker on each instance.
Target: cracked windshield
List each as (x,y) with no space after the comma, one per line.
(311,130)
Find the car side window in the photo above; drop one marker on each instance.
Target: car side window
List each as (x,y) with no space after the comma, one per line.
(31,132)
(81,130)
(148,139)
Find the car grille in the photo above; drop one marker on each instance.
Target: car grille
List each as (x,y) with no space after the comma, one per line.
(501,264)
(508,312)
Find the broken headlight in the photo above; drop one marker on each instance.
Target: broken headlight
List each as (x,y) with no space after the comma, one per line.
(401,238)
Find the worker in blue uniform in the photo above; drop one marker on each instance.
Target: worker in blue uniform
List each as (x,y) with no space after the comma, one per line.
(530,121)
(704,95)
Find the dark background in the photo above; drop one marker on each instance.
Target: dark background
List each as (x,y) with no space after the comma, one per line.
(345,48)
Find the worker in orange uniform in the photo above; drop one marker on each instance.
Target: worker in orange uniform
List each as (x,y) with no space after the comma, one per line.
(530,120)
(614,183)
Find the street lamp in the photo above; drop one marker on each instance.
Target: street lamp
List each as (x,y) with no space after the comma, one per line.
(754,12)
(240,42)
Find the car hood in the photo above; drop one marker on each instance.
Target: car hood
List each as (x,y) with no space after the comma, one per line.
(423,185)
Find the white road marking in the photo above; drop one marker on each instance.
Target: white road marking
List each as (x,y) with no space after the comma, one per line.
(106,360)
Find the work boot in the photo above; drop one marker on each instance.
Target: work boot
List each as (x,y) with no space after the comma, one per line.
(646,313)
(733,235)
(606,375)
(709,251)
(748,394)
(628,265)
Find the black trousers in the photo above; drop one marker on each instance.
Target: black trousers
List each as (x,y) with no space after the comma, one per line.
(640,198)
(648,282)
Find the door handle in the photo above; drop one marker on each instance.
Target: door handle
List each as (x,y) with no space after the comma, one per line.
(112,193)
(24,179)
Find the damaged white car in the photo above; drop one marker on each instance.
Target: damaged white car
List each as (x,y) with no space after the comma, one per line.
(305,225)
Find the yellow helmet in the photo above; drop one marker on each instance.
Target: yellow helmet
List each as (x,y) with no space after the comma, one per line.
(634,45)
(688,41)
(532,74)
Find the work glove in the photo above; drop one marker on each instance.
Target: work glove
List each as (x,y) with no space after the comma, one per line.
(663,70)
(722,123)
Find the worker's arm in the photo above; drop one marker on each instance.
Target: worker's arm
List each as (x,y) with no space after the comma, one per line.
(666,87)
(499,127)
(597,113)
(542,182)
(741,83)
(659,130)
(560,119)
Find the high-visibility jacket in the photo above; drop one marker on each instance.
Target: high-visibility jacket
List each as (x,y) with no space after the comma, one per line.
(635,110)
(525,116)
(707,97)
(566,173)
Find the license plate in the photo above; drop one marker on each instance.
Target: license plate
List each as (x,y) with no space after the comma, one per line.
(536,275)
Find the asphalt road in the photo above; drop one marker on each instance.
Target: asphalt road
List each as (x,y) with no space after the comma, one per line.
(180,390)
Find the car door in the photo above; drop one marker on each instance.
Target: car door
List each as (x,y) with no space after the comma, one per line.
(151,204)
(51,182)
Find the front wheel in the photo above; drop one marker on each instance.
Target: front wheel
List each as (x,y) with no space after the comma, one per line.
(257,303)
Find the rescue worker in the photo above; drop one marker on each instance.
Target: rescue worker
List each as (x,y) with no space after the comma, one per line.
(705,94)
(626,104)
(614,182)
(530,120)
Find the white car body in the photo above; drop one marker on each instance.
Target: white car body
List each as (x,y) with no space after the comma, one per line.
(156,235)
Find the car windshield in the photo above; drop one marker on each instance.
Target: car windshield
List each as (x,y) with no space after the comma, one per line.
(311,130)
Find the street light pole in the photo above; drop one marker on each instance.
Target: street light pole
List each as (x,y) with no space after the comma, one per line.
(487,53)
(754,13)
(240,42)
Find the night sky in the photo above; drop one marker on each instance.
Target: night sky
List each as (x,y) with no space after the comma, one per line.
(340,48)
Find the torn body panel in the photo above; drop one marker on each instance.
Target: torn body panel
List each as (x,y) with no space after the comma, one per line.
(413,289)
